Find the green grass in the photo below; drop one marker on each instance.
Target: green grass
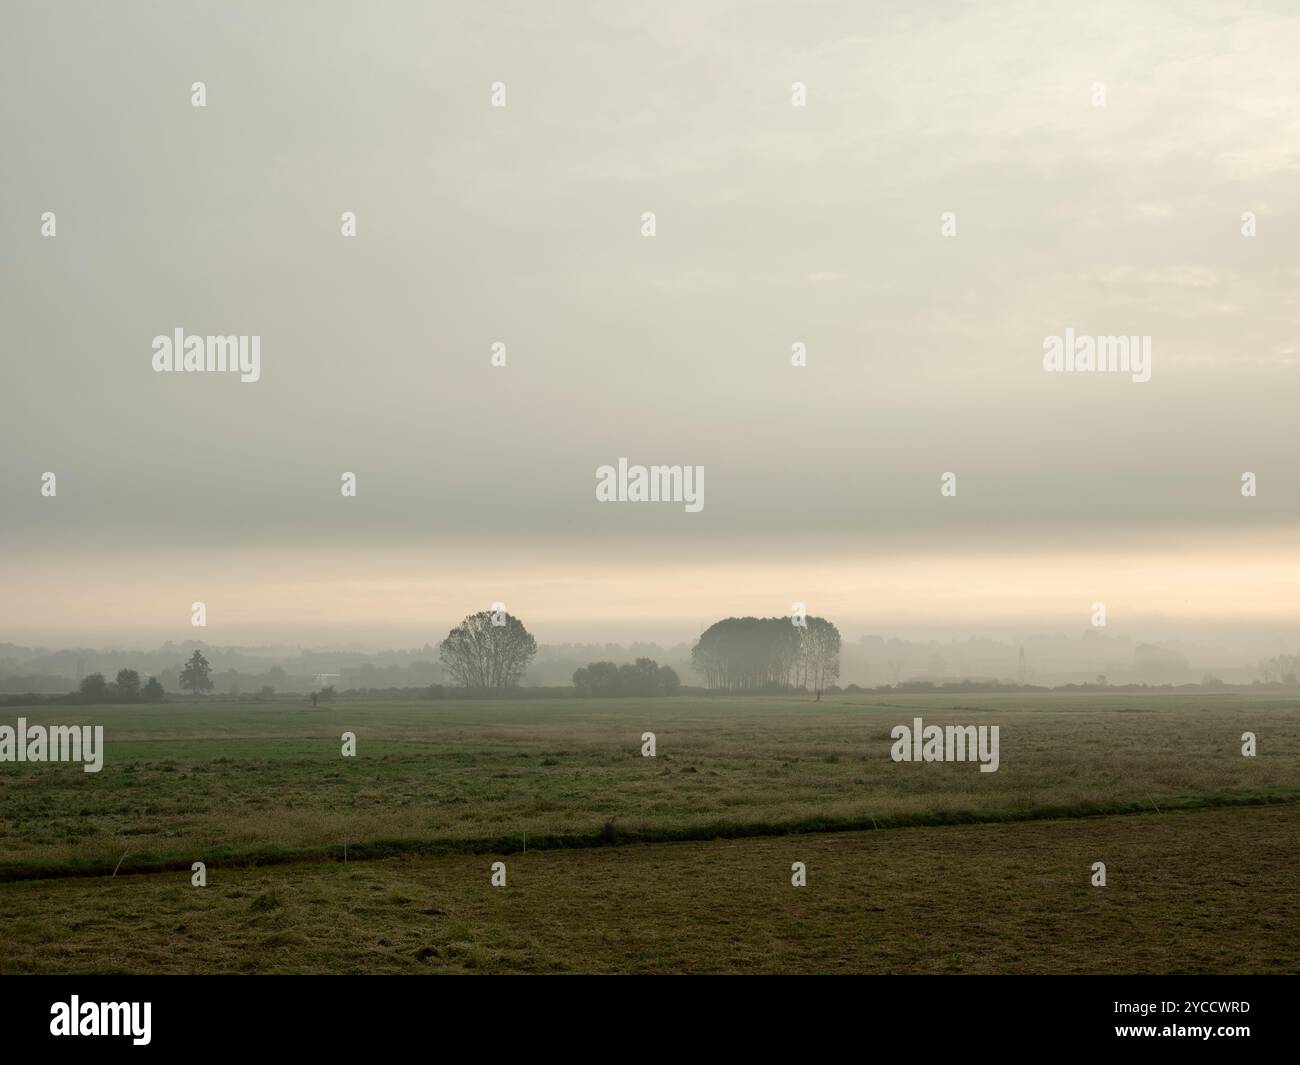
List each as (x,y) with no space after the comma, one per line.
(706,832)
(261,783)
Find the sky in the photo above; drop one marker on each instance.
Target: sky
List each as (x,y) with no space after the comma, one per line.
(774,225)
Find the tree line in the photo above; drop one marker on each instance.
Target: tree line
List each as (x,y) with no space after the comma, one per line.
(127,688)
(1281,669)
(644,677)
(490,651)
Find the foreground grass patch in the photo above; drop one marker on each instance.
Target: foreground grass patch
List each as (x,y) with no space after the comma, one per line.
(1209,891)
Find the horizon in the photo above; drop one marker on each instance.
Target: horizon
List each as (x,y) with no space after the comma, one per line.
(867,661)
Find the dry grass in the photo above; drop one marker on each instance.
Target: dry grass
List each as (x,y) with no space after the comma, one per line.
(223,781)
(1202,892)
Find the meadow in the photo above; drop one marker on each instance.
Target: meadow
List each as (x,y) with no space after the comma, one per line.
(1210,891)
(680,862)
(264,782)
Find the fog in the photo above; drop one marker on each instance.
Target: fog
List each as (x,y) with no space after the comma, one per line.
(775,225)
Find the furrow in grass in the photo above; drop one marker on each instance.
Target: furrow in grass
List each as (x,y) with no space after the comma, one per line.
(613,835)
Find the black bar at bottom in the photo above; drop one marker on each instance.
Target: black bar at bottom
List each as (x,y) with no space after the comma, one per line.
(339,1013)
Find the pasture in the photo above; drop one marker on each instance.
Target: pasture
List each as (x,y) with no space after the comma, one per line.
(1209,891)
(653,864)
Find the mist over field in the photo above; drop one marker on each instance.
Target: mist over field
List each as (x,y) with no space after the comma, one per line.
(1086,657)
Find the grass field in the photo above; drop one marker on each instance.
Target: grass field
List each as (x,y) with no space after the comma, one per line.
(1210,892)
(261,793)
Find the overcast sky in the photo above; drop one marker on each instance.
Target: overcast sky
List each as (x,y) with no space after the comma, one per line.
(775,224)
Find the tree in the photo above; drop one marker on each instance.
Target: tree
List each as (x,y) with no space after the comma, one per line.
(94,688)
(194,677)
(128,685)
(487,657)
(152,692)
(596,678)
(748,654)
(669,681)
(819,653)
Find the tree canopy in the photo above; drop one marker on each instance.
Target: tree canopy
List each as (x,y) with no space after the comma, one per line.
(485,656)
(644,677)
(194,677)
(748,654)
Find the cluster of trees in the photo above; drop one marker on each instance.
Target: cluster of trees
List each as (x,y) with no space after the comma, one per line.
(488,651)
(774,654)
(644,677)
(1281,669)
(125,689)
(195,678)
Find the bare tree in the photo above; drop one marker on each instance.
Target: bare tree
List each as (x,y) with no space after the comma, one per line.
(487,657)
(819,650)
